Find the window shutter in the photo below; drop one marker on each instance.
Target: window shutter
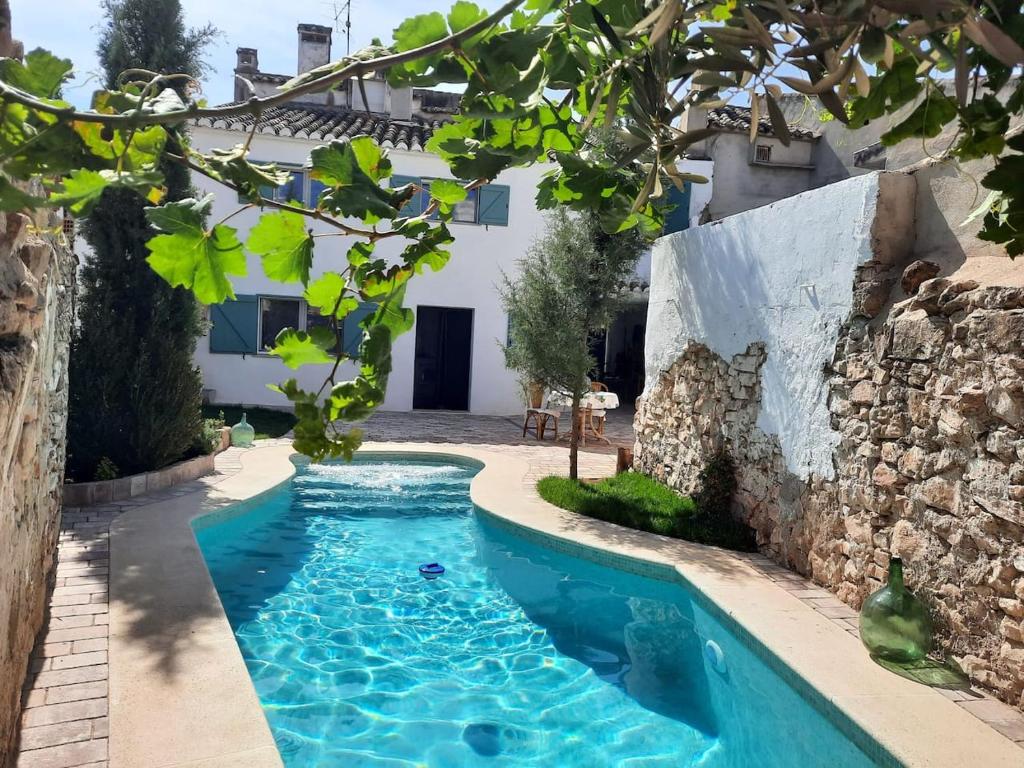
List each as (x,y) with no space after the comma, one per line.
(494,205)
(234,326)
(315,188)
(351,331)
(678,218)
(415,206)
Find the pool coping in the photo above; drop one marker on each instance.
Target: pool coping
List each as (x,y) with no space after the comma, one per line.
(180,694)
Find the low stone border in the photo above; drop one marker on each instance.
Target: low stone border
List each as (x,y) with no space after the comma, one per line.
(108,491)
(180,693)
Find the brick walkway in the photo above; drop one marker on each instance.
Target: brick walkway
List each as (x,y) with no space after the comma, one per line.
(64,724)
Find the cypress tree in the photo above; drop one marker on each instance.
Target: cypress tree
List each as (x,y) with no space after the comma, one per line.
(135,394)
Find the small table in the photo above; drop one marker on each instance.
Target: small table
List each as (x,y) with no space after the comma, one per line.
(589,403)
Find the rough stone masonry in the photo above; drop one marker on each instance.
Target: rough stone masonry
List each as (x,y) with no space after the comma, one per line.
(927,397)
(37,278)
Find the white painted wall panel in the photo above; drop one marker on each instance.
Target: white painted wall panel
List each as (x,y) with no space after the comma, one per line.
(783,275)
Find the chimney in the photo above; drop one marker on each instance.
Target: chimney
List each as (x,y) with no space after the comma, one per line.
(695,117)
(247,63)
(314,46)
(401,103)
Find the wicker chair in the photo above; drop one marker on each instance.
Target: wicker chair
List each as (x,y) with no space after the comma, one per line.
(540,418)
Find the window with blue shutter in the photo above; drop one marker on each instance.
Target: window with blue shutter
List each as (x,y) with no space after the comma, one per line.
(493,205)
(316,187)
(415,206)
(234,326)
(352,331)
(678,219)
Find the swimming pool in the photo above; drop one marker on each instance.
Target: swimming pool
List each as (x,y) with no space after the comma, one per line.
(517,656)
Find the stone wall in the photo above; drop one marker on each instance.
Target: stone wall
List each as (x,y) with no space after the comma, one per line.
(37,277)
(925,397)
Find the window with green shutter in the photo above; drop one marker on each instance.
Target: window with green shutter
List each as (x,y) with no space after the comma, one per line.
(493,205)
(234,326)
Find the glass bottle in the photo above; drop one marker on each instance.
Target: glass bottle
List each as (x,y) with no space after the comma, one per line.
(242,434)
(895,625)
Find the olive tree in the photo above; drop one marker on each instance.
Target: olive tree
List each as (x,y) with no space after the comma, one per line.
(568,288)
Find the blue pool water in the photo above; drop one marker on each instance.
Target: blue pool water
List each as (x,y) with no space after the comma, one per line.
(517,656)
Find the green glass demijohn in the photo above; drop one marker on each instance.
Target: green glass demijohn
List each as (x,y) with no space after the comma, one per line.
(895,625)
(242,434)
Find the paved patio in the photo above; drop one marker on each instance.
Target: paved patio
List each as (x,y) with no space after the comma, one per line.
(65,723)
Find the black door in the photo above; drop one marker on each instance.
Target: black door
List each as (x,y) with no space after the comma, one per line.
(444,338)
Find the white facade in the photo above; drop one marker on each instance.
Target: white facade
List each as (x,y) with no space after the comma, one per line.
(480,254)
(759,277)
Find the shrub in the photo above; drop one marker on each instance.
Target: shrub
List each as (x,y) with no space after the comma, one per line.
(106,469)
(714,500)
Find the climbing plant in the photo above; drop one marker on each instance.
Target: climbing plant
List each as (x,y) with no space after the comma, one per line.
(538,75)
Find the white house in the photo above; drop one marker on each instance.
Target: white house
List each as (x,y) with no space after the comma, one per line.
(452,359)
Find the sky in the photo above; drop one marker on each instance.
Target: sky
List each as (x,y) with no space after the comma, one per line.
(69,28)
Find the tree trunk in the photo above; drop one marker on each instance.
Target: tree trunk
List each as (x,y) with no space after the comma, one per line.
(574,438)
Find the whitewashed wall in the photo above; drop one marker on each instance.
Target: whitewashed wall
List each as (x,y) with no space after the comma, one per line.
(480,254)
(783,275)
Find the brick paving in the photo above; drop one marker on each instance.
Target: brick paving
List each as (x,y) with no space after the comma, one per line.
(64,723)
(64,718)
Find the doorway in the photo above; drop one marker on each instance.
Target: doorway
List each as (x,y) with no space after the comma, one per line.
(444,343)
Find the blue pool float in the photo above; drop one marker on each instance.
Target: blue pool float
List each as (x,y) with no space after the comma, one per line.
(431,570)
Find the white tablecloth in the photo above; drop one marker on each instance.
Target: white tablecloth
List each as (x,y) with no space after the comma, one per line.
(599,401)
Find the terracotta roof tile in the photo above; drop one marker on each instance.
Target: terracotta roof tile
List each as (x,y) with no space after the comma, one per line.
(327,123)
(732,118)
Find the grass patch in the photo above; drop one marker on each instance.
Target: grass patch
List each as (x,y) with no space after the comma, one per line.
(637,501)
(267,422)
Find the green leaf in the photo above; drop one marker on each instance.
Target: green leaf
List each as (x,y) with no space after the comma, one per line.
(113,145)
(927,120)
(82,189)
(190,256)
(359,253)
(298,348)
(284,245)
(420,30)
(42,74)
(447,191)
(464,14)
(13,198)
(888,93)
(326,293)
(232,166)
(353,171)
(371,158)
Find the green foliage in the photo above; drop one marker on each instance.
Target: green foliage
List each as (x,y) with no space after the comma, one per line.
(284,245)
(637,501)
(299,348)
(354,171)
(208,438)
(190,255)
(106,470)
(715,513)
(268,422)
(567,289)
(135,393)
(541,79)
